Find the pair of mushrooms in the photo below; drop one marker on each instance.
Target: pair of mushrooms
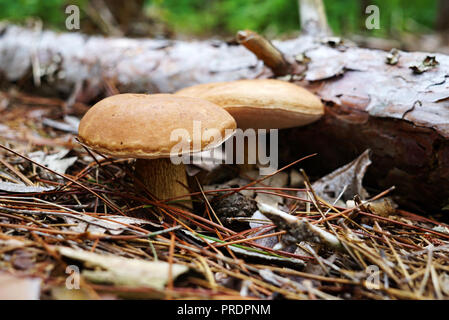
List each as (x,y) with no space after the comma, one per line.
(140,125)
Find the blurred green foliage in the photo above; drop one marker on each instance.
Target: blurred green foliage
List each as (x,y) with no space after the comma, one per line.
(18,10)
(51,12)
(228,16)
(396,16)
(281,16)
(225,17)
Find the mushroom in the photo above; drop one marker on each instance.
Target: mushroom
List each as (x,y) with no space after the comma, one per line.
(261,103)
(148,128)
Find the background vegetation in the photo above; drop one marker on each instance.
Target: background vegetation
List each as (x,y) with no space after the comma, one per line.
(224,17)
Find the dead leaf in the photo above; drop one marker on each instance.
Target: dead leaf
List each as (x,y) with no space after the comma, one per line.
(123,271)
(258,220)
(55,162)
(70,124)
(305,285)
(100,226)
(347,178)
(393,57)
(441,229)
(302,58)
(15,288)
(278,180)
(428,63)
(22,188)
(333,42)
(382,207)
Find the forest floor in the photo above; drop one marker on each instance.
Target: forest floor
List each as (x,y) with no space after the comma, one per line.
(72,226)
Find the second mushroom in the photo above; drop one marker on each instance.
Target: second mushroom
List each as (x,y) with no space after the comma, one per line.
(260,104)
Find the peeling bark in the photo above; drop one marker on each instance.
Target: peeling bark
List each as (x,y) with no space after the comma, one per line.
(402,116)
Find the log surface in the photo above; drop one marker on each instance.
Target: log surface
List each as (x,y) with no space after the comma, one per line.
(402,116)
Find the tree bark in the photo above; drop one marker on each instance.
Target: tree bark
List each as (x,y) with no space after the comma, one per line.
(400,114)
(442,22)
(313,18)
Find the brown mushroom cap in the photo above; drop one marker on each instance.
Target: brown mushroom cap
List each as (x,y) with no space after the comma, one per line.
(140,125)
(261,103)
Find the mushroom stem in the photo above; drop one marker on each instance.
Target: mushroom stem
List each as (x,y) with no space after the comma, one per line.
(163,179)
(254,151)
(245,167)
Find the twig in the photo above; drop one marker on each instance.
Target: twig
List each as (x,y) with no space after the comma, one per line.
(265,51)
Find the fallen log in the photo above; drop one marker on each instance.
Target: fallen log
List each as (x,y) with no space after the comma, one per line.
(396,104)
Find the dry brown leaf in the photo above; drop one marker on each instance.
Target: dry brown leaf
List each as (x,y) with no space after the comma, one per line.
(349,176)
(123,271)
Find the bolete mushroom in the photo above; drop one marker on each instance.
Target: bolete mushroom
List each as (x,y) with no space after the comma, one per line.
(148,127)
(261,103)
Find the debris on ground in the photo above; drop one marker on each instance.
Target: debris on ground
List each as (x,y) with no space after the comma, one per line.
(68,215)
